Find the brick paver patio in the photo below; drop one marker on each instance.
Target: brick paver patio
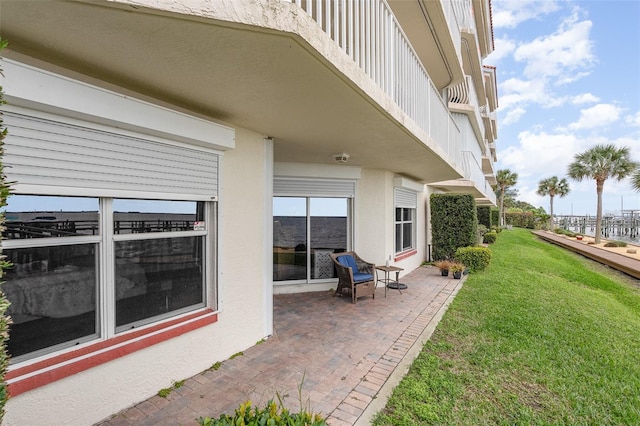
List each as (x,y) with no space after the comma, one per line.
(346,358)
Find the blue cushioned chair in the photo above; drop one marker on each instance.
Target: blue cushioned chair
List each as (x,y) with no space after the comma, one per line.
(355,276)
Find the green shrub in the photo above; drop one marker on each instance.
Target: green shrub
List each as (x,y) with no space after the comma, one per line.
(484,216)
(490,237)
(615,244)
(497,229)
(271,414)
(475,258)
(5,321)
(566,232)
(454,223)
(495,217)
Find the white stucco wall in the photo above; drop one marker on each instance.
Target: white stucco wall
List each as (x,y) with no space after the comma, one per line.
(95,394)
(375,221)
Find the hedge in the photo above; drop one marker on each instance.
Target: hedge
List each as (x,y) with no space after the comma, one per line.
(454,223)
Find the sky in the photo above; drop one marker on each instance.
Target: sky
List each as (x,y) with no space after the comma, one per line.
(568,79)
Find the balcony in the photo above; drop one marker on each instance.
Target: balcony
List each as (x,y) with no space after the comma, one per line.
(318,77)
(463,98)
(472,54)
(371,35)
(474,182)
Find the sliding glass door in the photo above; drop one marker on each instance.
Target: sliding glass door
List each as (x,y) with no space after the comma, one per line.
(305,231)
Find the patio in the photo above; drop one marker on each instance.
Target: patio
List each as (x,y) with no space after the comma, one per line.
(347,357)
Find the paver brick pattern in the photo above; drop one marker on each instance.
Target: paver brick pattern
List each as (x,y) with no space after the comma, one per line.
(340,354)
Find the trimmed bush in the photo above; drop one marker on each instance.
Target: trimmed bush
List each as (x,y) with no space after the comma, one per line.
(615,244)
(484,216)
(490,237)
(495,217)
(454,223)
(566,232)
(475,258)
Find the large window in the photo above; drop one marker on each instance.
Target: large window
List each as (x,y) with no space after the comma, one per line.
(305,231)
(89,268)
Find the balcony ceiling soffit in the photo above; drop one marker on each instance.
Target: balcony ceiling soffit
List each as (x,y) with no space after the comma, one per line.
(461,186)
(271,83)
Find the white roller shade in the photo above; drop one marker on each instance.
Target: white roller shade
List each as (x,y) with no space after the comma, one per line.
(314,187)
(81,159)
(405,198)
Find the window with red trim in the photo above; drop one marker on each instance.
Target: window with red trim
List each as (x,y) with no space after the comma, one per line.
(86,269)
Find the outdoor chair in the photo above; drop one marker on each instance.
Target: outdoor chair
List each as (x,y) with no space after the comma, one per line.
(355,276)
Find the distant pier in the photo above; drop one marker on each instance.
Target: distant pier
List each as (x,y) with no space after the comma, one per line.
(624,227)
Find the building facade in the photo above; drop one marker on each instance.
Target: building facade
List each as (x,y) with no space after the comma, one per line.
(176,164)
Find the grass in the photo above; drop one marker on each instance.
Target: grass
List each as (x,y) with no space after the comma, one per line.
(542,336)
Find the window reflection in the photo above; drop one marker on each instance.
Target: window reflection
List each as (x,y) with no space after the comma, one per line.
(144,216)
(52,291)
(36,216)
(154,277)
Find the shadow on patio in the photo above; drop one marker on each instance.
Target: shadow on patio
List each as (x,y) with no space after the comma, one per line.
(347,357)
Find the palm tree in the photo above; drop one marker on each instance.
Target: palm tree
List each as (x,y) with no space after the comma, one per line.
(601,163)
(552,187)
(635,180)
(505,178)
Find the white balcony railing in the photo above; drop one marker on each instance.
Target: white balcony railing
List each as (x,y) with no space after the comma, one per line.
(464,14)
(369,33)
(473,172)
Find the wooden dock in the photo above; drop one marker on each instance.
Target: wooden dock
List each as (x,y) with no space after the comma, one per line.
(626,264)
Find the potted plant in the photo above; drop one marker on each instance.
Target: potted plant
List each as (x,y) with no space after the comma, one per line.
(457,268)
(443,265)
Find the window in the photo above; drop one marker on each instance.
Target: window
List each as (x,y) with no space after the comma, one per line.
(405,226)
(406,203)
(89,268)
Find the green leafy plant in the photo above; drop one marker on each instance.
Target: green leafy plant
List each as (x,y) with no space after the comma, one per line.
(475,258)
(484,216)
(490,237)
(457,267)
(273,414)
(5,321)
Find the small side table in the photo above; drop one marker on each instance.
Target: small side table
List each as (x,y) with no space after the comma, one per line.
(388,281)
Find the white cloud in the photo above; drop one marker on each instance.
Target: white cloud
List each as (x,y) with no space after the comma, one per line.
(633,120)
(540,155)
(597,116)
(559,54)
(501,48)
(509,14)
(585,98)
(513,116)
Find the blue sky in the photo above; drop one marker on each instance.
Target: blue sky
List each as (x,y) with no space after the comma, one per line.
(568,79)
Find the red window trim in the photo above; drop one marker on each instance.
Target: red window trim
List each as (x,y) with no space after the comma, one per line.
(405,254)
(23,379)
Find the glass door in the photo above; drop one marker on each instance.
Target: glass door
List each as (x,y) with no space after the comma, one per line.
(305,231)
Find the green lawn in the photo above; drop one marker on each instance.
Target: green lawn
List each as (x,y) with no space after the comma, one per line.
(542,336)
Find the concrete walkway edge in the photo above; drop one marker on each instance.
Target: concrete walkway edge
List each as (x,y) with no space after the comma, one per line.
(380,401)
